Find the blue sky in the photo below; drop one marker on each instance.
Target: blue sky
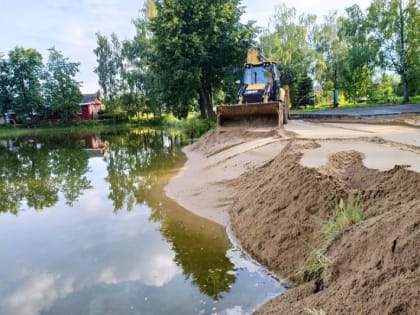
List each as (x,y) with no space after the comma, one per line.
(70,25)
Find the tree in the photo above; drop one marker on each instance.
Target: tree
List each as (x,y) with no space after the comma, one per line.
(196,44)
(304,90)
(25,80)
(62,91)
(330,50)
(6,98)
(289,43)
(108,56)
(357,65)
(395,25)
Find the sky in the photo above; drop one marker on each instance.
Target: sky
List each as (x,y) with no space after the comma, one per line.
(70,25)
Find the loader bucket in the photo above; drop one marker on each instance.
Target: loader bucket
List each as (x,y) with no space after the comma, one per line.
(255,114)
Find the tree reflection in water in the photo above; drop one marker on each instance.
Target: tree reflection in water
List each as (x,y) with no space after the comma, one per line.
(139,165)
(35,170)
(40,171)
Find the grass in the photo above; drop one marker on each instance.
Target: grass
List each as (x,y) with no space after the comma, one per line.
(312,108)
(74,128)
(313,311)
(346,214)
(193,126)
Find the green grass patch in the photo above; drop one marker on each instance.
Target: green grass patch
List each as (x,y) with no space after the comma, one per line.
(46,128)
(318,107)
(346,214)
(192,126)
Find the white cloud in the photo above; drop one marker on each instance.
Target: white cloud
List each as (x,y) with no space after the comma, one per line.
(70,25)
(154,271)
(35,292)
(261,11)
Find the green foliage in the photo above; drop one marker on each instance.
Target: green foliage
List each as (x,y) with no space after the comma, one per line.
(108,56)
(37,172)
(384,92)
(357,67)
(6,96)
(193,126)
(61,90)
(318,262)
(346,214)
(329,50)
(114,113)
(304,91)
(196,127)
(192,58)
(289,44)
(25,72)
(395,27)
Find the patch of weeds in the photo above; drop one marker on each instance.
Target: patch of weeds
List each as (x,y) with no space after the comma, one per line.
(346,214)
(314,311)
(318,262)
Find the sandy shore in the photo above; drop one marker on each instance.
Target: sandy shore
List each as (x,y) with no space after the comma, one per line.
(202,185)
(269,185)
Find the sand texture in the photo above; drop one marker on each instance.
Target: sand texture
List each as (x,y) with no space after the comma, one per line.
(276,189)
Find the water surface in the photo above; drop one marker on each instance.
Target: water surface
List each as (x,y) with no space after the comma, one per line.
(85,228)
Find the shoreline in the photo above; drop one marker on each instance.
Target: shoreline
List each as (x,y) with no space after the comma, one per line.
(247,176)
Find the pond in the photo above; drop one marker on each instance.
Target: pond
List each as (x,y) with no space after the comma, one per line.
(85,228)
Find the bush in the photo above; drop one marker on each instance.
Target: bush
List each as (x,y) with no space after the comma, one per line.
(196,127)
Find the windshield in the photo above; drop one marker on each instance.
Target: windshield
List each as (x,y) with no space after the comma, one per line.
(259,74)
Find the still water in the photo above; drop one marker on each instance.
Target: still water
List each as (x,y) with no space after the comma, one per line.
(85,228)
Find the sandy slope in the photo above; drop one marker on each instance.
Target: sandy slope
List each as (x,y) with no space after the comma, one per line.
(276,186)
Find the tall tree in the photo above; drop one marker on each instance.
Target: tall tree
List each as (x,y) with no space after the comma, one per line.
(395,24)
(25,74)
(62,91)
(330,49)
(288,41)
(357,65)
(6,98)
(108,55)
(196,44)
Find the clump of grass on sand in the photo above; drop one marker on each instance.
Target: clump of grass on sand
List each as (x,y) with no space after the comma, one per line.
(346,214)
(314,311)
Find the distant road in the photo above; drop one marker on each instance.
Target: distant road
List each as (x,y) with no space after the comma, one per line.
(361,111)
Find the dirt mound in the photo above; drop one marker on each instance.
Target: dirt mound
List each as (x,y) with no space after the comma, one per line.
(373,268)
(218,140)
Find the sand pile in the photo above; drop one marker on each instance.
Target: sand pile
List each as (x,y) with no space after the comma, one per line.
(372,269)
(218,140)
(281,186)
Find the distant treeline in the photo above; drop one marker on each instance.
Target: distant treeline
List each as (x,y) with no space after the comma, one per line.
(184,54)
(28,87)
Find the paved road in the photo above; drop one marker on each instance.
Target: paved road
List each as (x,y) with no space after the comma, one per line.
(361,111)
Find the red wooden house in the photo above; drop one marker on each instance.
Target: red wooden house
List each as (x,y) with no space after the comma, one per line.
(90,106)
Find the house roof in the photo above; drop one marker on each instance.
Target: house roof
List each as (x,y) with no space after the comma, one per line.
(88,99)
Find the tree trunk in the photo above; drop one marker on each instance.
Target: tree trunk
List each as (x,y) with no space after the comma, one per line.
(205,100)
(404,80)
(201,103)
(403,60)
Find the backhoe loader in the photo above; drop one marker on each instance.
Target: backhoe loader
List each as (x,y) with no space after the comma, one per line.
(260,97)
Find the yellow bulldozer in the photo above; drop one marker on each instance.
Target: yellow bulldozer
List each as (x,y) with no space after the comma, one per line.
(260,97)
